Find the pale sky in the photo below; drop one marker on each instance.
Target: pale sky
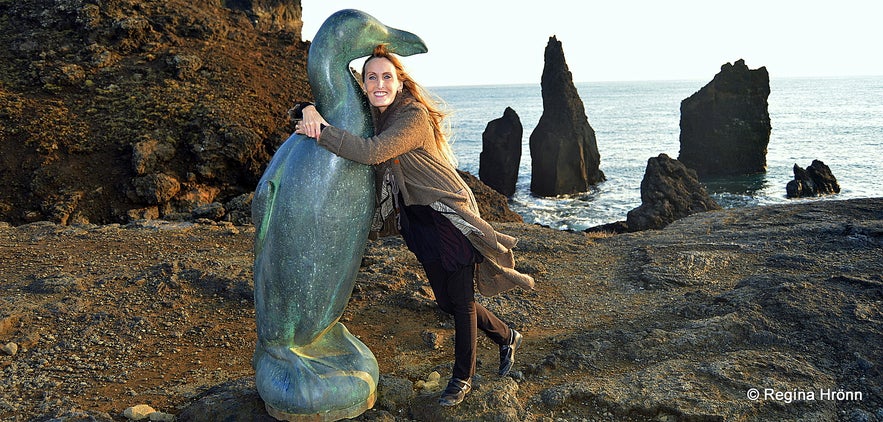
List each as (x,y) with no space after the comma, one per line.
(483,42)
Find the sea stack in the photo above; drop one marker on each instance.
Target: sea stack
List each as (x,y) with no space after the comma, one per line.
(501,153)
(725,126)
(815,180)
(563,150)
(669,191)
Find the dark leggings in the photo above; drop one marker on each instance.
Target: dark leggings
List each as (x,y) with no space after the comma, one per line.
(455,294)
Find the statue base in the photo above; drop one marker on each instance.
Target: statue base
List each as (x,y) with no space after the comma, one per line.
(334,415)
(334,377)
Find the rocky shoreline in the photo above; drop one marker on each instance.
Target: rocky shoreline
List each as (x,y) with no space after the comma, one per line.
(684,323)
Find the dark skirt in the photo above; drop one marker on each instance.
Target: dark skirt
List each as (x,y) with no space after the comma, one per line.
(432,237)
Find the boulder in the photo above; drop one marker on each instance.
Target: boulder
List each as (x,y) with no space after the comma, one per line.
(239,209)
(501,153)
(563,150)
(139,412)
(669,191)
(213,211)
(148,154)
(815,180)
(194,195)
(226,152)
(61,207)
(156,188)
(235,400)
(725,126)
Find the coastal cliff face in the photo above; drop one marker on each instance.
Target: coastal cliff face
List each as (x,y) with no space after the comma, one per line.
(122,109)
(685,323)
(271,15)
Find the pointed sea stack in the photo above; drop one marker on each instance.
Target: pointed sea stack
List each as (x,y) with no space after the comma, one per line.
(725,126)
(501,153)
(563,150)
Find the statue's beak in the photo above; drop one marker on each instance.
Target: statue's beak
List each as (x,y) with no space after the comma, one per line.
(405,43)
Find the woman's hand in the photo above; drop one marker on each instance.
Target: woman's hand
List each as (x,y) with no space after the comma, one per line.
(312,123)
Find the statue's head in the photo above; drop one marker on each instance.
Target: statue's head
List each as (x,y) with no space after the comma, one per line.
(355,34)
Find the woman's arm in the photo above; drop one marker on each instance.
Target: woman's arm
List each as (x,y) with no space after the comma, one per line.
(408,130)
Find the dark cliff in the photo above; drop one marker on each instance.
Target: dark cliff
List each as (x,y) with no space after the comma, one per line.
(121,109)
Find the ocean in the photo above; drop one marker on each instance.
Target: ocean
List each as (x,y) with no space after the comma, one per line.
(836,120)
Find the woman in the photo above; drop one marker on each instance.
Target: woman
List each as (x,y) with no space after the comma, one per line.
(432,207)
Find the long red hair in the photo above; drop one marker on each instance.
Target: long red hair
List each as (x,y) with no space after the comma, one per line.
(437,116)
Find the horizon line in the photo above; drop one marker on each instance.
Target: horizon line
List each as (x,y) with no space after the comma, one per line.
(478,84)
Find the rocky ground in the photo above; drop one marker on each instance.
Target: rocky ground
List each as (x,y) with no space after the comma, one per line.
(673,324)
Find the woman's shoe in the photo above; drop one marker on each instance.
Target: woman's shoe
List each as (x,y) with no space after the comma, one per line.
(455,392)
(507,353)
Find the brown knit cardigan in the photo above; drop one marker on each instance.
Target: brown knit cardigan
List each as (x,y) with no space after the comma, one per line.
(404,144)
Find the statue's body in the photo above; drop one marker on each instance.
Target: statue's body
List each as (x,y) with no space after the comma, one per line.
(312,212)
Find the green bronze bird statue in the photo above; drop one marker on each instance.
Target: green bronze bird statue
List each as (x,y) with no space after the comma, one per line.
(312,212)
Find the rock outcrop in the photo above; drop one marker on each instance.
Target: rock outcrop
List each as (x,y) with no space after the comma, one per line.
(122,109)
(725,126)
(815,180)
(669,191)
(563,150)
(501,153)
(271,15)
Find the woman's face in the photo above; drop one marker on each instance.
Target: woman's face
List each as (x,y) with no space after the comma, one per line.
(381,82)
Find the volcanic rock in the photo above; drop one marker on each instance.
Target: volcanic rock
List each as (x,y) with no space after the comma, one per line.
(501,153)
(669,191)
(271,15)
(149,153)
(725,126)
(659,325)
(815,180)
(112,110)
(563,150)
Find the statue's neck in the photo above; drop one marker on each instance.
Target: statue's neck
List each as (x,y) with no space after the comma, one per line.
(337,94)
